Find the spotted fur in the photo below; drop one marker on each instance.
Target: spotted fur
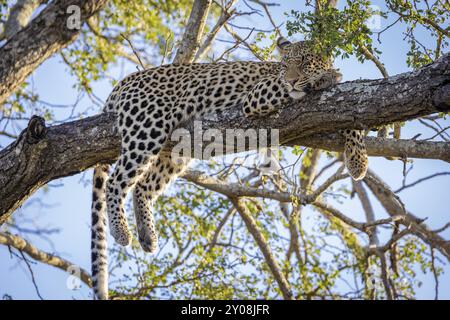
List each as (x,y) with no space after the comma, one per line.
(151,103)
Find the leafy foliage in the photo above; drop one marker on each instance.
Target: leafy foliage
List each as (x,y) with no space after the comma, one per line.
(345,32)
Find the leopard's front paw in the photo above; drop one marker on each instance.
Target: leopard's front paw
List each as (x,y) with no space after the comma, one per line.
(329,79)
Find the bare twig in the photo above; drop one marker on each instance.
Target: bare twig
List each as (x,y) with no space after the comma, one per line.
(134,51)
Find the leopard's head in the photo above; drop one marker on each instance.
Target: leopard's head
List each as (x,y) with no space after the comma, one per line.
(300,66)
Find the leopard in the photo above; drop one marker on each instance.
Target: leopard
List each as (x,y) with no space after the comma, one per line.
(149,104)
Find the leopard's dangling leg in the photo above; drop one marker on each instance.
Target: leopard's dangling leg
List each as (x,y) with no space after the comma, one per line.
(129,169)
(137,155)
(162,171)
(355,154)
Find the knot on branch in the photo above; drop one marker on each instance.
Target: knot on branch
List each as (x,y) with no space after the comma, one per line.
(36,130)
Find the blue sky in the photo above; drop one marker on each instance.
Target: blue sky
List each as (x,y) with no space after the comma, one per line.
(67,201)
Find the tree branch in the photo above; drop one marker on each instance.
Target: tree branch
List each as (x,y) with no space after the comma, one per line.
(394,208)
(383,147)
(226,15)
(193,32)
(47,34)
(44,257)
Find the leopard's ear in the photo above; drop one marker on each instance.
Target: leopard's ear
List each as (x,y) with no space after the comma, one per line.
(283,43)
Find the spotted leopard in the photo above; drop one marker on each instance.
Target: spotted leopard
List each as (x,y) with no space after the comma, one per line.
(151,103)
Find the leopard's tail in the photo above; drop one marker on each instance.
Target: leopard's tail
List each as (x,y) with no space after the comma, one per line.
(99,245)
(355,154)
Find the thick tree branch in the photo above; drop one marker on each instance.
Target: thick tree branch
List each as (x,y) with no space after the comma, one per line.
(44,257)
(47,34)
(383,147)
(37,158)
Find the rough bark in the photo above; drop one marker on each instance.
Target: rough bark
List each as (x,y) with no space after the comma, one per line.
(19,16)
(40,156)
(33,160)
(47,34)
(394,207)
